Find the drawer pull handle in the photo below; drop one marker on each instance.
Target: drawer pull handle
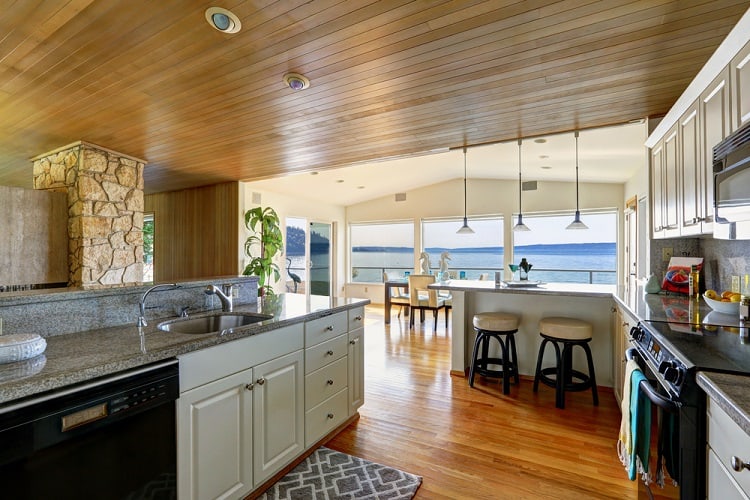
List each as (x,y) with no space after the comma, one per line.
(352,342)
(329,328)
(260,381)
(330,416)
(738,465)
(329,382)
(358,318)
(249,387)
(329,353)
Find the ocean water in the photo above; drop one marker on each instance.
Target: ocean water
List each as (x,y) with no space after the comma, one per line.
(574,263)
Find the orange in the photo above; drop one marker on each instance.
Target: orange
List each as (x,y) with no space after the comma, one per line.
(727,294)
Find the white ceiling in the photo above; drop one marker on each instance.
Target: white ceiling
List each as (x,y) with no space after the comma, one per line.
(610,155)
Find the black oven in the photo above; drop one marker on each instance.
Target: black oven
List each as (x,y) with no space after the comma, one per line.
(670,354)
(111,438)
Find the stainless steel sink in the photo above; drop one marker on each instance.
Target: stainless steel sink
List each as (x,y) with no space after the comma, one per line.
(214,323)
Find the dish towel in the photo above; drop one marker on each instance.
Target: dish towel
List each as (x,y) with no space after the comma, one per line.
(640,427)
(668,451)
(625,440)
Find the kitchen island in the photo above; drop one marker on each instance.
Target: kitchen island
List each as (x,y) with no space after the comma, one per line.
(592,303)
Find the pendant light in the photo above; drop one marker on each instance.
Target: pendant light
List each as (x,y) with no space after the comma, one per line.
(465,229)
(577,224)
(520,226)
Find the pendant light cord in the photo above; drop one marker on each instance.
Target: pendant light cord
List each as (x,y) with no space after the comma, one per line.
(519,177)
(464,184)
(577,171)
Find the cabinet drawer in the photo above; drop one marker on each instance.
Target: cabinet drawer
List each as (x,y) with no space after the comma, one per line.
(326,352)
(721,486)
(727,439)
(325,382)
(325,328)
(356,318)
(325,417)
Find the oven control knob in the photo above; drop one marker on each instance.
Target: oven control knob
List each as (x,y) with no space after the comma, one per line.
(636,333)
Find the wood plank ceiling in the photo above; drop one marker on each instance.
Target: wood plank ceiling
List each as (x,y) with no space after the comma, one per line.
(392,77)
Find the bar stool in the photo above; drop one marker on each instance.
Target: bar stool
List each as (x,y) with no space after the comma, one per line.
(569,332)
(498,326)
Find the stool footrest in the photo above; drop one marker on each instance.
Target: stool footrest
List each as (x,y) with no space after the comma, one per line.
(583,384)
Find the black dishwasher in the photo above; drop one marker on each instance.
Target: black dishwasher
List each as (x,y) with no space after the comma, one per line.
(110,438)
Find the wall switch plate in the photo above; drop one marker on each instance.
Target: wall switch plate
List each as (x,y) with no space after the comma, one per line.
(735,284)
(666,254)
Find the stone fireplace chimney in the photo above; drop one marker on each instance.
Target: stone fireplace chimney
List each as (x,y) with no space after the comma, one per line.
(105,211)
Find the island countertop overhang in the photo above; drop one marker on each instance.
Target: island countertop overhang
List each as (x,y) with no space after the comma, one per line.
(570,289)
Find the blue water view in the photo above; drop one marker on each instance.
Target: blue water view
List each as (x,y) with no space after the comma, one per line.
(572,263)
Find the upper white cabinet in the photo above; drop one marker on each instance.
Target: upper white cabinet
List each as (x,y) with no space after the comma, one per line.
(715,123)
(665,186)
(740,85)
(691,213)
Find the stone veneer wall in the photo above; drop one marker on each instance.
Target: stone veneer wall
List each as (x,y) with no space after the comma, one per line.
(105,212)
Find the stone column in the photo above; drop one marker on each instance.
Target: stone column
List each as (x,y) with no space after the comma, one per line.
(105,211)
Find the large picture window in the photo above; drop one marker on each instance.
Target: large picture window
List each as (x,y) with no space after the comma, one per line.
(476,255)
(576,256)
(380,247)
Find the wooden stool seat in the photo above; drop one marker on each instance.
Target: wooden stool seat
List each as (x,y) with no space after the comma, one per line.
(501,327)
(569,332)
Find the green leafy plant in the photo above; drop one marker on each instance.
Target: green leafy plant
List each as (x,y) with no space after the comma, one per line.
(267,240)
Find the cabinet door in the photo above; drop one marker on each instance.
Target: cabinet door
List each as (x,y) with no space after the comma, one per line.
(215,439)
(740,86)
(278,417)
(356,370)
(690,178)
(657,190)
(671,165)
(715,118)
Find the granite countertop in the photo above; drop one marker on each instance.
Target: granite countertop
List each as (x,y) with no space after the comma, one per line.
(77,357)
(731,393)
(570,289)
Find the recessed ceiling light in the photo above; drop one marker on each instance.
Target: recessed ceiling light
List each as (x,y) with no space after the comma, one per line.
(540,141)
(223,20)
(295,81)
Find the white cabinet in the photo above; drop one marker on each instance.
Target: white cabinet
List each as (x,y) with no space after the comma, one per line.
(215,439)
(688,165)
(665,186)
(356,354)
(240,413)
(726,439)
(740,84)
(278,412)
(623,323)
(356,369)
(715,123)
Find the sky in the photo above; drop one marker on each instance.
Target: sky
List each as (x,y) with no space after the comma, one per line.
(544,230)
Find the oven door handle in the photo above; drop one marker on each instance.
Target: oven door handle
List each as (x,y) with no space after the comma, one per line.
(662,402)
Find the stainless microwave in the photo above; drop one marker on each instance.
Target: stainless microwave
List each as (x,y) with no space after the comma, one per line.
(732,186)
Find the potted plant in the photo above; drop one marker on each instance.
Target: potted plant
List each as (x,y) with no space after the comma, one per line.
(267,241)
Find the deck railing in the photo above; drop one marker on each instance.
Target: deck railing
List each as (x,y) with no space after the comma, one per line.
(363,274)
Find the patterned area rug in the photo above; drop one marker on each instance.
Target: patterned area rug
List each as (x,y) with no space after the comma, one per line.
(329,475)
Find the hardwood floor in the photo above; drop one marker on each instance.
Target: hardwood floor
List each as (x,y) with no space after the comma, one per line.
(477,443)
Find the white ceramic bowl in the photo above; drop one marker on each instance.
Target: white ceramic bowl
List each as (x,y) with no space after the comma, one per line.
(723,307)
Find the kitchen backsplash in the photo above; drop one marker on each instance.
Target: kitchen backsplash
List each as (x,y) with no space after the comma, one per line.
(722,259)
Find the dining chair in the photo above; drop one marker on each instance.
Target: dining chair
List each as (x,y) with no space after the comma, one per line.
(398,296)
(422,298)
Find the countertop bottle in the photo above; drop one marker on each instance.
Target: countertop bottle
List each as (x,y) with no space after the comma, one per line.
(694,282)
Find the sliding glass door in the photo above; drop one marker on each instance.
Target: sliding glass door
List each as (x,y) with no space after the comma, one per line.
(309,256)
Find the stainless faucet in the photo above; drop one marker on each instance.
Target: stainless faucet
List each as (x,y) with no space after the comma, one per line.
(142,304)
(225,296)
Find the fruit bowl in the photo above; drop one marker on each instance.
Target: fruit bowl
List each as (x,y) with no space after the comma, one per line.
(723,307)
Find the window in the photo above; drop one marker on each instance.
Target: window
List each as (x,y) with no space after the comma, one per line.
(148,247)
(577,256)
(470,254)
(379,247)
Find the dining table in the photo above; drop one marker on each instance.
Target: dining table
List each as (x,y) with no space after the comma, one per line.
(390,284)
